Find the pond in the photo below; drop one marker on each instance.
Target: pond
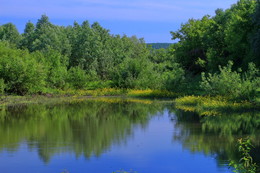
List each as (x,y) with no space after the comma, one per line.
(111,134)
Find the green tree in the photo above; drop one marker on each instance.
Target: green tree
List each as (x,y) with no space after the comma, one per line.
(20,71)
(8,32)
(28,37)
(193,43)
(46,36)
(256,35)
(77,77)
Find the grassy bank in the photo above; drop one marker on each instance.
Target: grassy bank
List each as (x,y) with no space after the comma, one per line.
(106,95)
(148,93)
(205,105)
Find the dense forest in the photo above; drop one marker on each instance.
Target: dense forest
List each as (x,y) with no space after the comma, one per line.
(215,55)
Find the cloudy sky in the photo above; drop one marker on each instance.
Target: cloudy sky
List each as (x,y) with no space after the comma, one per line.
(151,19)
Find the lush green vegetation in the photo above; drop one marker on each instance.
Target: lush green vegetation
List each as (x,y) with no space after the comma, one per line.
(213,105)
(159,45)
(216,55)
(246,164)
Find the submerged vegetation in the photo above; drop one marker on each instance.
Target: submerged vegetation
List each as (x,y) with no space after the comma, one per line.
(213,57)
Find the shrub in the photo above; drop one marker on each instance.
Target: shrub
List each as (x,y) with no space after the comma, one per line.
(20,71)
(246,164)
(56,68)
(232,84)
(2,86)
(175,78)
(98,84)
(77,77)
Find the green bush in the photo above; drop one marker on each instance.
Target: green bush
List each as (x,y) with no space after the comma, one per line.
(20,71)
(77,77)
(55,67)
(2,86)
(174,79)
(232,84)
(136,74)
(98,84)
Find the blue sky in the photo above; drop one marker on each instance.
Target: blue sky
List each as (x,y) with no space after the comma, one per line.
(151,19)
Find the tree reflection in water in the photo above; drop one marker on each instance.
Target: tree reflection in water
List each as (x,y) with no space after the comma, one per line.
(86,128)
(216,136)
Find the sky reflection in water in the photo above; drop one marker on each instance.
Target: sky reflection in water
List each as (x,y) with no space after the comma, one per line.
(95,136)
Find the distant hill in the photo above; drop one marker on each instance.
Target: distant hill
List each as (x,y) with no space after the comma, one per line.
(159,45)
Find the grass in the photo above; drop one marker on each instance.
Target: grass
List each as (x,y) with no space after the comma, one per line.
(54,95)
(205,105)
(73,92)
(147,93)
(109,96)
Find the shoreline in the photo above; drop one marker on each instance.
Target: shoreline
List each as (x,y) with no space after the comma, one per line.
(203,105)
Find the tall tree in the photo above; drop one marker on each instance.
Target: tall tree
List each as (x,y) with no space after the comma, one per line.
(9,32)
(28,36)
(256,35)
(46,36)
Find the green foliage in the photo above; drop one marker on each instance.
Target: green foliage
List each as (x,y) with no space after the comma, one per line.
(8,32)
(45,36)
(174,79)
(20,71)
(2,86)
(245,164)
(193,43)
(98,84)
(77,77)
(55,67)
(256,36)
(87,56)
(136,73)
(204,105)
(209,42)
(232,84)
(159,45)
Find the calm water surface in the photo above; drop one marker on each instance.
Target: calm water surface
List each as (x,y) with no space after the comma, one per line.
(102,136)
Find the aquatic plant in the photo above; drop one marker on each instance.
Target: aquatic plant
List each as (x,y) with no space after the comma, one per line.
(246,163)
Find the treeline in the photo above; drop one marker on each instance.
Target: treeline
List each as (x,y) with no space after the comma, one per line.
(81,56)
(159,45)
(224,49)
(225,46)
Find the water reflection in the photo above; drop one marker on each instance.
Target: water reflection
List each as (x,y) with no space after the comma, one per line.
(92,128)
(216,136)
(85,128)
